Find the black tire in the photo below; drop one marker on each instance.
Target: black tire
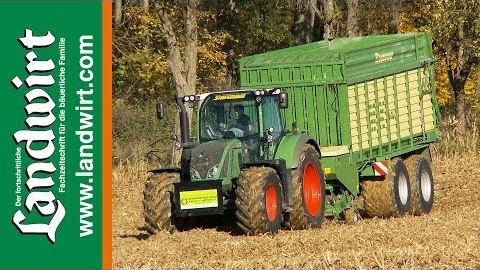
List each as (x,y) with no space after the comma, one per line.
(422,184)
(157,202)
(253,185)
(391,196)
(307,212)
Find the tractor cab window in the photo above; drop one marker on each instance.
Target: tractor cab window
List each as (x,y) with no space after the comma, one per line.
(228,116)
(271,115)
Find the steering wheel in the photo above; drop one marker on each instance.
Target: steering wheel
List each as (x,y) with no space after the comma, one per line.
(237,131)
(237,126)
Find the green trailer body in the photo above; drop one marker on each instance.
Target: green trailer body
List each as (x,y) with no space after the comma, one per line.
(363,99)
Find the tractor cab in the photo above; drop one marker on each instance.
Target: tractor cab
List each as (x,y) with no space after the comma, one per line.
(232,128)
(252,117)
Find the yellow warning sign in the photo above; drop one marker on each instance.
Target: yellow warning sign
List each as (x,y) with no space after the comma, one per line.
(198,199)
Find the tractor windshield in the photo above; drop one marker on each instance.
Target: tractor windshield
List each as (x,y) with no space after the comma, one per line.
(232,115)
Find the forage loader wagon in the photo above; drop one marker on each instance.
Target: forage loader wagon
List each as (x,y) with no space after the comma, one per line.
(328,128)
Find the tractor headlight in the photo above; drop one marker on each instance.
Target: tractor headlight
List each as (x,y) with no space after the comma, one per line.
(213,171)
(194,174)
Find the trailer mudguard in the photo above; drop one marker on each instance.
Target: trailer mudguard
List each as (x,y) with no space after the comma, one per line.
(290,148)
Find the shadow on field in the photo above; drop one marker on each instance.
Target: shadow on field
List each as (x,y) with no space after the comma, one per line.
(222,223)
(142,234)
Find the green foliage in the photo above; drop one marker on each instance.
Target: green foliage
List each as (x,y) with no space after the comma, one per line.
(443,18)
(140,75)
(258,26)
(254,27)
(141,71)
(375,17)
(137,133)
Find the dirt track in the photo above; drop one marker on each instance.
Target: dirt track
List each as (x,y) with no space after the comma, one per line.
(447,237)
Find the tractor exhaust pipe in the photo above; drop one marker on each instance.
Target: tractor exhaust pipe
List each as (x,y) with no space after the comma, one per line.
(185,140)
(184,126)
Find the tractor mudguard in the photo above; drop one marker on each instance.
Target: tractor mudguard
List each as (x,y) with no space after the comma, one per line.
(290,148)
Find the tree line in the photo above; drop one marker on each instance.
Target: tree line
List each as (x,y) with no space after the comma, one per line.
(191,46)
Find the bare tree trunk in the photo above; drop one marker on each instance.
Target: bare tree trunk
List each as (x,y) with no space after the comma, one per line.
(304,21)
(118,12)
(145,4)
(231,5)
(395,16)
(191,47)
(458,77)
(190,53)
(352,18)
(184,70)
(174,58)
(299,26)
(460,111)
(311,19)
(318,24)
(459,83)
(458,73)
(329,18)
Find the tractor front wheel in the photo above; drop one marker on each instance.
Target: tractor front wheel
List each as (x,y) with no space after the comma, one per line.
(157,201)
(308,192)
(259,201)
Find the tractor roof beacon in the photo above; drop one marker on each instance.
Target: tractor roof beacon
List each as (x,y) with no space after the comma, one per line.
(330,128)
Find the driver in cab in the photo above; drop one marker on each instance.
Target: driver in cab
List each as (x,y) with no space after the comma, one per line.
(243,120)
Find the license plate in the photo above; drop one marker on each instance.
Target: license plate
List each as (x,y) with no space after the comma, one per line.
(195,199)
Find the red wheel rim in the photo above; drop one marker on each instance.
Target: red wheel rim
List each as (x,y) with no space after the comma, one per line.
(311,189)
(271,202)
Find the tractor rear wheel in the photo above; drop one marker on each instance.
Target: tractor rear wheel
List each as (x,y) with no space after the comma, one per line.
(259,201)
(157,201)
(308,192)
(389,197)
(421,184)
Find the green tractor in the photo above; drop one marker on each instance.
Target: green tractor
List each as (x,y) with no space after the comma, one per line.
(239,162)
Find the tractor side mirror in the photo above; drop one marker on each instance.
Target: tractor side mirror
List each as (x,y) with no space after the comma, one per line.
(283,104)
(160,111)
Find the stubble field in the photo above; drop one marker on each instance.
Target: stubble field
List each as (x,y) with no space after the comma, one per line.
(449,237)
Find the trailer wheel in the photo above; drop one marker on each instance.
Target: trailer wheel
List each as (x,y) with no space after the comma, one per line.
(259,201)
(422,184)
(389,197)
(157,201)
(308,192)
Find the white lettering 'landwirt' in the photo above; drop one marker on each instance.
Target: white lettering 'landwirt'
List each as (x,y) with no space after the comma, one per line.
(39,144)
